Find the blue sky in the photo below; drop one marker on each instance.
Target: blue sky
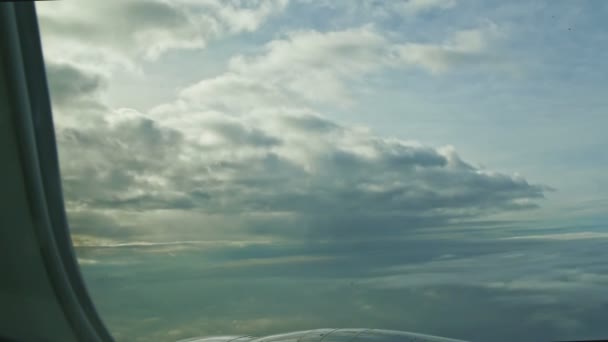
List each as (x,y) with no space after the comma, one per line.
(313,135)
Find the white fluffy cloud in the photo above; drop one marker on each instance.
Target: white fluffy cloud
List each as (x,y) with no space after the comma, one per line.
(316,65)
(312,67)
(121,33)
(466,47)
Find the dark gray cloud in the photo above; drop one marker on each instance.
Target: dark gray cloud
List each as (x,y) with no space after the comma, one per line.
(153,14)
(111,162)
(323,178)
(71,84)
(236,133)
(309,123)
(91,224)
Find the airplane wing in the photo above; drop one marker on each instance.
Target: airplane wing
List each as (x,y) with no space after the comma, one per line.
(332,335)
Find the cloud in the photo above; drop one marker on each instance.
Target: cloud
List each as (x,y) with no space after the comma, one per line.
(241,18)
(143,31)
(69,83)
(313,67)
(278,166)
(510,290)
(77,94)
(563,236)
(232,92)
(122,158)
(305,65)
(364,9)
(315,64)
(414,7)
(249,144)
(466,47)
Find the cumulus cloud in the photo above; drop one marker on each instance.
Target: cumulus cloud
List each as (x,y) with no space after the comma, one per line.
(139,30)
(314,67)
(307,66)
(249,143)
(69,83)
(325,177)
(77,94)
(466,47)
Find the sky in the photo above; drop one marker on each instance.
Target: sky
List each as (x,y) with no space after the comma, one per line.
(255,167)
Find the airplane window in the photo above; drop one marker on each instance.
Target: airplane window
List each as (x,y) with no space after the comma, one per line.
(251,167)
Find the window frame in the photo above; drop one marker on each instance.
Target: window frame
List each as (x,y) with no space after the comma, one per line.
(27,113)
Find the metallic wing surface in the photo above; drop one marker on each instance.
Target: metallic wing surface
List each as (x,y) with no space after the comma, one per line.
(332,335)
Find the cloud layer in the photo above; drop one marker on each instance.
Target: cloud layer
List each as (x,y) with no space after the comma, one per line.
(478,290)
